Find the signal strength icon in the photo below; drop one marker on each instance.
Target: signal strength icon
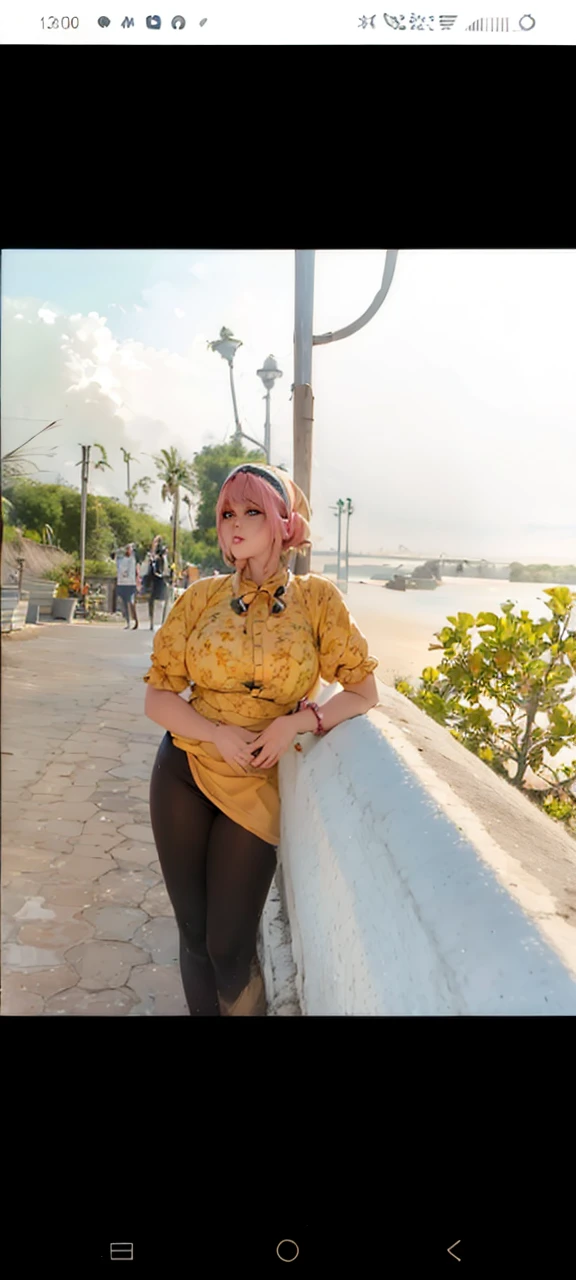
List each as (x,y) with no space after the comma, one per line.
(489,24)
(446,23)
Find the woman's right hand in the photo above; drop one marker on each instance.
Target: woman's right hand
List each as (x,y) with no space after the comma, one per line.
(234,745)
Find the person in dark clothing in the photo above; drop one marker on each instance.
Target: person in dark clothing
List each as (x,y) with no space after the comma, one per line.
(158,574)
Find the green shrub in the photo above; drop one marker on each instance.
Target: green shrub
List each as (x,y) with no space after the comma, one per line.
(521,669)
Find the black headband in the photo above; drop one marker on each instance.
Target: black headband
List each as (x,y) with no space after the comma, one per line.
(251,469)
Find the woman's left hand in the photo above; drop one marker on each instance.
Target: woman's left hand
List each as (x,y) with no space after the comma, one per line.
(273,742)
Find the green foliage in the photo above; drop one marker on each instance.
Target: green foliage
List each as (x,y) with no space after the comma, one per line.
(542,573)
(108,522)
(209,470)
(491,687)
(204,552)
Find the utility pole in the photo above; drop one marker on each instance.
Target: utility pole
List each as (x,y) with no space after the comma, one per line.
(303,398)
(338,509)
(304,341)
(349,512)
(83,504)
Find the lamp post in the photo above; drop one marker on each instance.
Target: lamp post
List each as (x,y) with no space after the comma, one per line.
(349,512)
(338,511)
(304,341)
(226,346)
(268,375)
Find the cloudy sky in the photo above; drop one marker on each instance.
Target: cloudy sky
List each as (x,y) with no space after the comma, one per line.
(450,420)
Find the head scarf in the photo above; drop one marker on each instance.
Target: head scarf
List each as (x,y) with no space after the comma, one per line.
(295,500)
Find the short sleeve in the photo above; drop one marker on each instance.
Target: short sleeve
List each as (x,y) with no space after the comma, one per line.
(343,650)
(168,670)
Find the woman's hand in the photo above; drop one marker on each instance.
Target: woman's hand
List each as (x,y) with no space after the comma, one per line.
(235,744)
(274,741)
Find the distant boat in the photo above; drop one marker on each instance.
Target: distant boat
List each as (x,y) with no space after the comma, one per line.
(407,582)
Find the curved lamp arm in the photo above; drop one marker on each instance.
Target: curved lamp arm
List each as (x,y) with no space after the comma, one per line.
(389,268)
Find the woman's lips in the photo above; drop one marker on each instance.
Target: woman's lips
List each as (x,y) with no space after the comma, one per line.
(236,538)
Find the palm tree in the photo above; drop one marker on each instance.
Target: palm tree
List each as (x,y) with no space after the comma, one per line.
(16,463)
(175,473)
(128,458)
(103,462)
(187,500)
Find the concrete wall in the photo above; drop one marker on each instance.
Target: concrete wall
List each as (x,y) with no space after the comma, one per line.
(416,881)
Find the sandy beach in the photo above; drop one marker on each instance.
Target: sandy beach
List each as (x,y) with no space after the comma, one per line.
(400,626)
(400,644)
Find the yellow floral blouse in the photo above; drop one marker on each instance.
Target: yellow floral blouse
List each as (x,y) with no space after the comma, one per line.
(248,669)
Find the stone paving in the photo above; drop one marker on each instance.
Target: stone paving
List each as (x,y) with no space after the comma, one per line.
(87,927)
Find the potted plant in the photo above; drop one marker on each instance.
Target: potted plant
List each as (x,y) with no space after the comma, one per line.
(68,595)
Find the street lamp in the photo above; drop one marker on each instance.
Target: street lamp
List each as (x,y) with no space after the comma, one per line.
(268,375)
(226,346)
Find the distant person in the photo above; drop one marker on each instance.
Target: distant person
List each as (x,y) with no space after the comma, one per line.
(127,575)
(159,575)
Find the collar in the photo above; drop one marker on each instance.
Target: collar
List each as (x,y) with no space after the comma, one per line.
(243,588)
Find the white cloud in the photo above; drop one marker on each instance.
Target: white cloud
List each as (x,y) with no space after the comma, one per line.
(199,269)
(179,313)
(46,315)
(19,316)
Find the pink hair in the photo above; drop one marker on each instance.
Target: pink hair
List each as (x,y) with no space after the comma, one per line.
(288,530)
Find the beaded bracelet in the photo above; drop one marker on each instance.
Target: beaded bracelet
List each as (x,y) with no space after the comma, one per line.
(306,705)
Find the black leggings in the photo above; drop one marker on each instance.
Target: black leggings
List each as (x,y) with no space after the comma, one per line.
(217,876)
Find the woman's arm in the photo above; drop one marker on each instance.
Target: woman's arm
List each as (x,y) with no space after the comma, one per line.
(171,712)
(356,700)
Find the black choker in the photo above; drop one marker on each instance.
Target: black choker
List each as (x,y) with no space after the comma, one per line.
(240,607)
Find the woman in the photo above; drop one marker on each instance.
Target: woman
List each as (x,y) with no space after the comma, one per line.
(127,584)
(255,644)
(157,578)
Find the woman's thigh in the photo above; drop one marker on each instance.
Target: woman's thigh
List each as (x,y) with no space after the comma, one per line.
(182,818)
(240,869)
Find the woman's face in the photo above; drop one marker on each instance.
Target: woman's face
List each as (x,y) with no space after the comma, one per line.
(245,531)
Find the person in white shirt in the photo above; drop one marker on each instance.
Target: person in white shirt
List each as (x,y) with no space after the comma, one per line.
(127,574)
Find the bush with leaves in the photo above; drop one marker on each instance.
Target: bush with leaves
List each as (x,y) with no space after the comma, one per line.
(491,689)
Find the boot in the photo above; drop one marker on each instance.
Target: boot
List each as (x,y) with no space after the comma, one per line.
(251,1003)
(135,618)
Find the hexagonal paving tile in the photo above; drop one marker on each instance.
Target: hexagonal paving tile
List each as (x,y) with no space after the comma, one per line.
(129,852)
(156,902)
(24,1004)
(19,957)
(110,803)
(105,964)
(160,937)
(76,896)
(115,923)
(44,982)
(102,1004)
(127,886)
(135,772)
(76,867)
(137,831)
(105,842)
(160,991)
(55,933)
